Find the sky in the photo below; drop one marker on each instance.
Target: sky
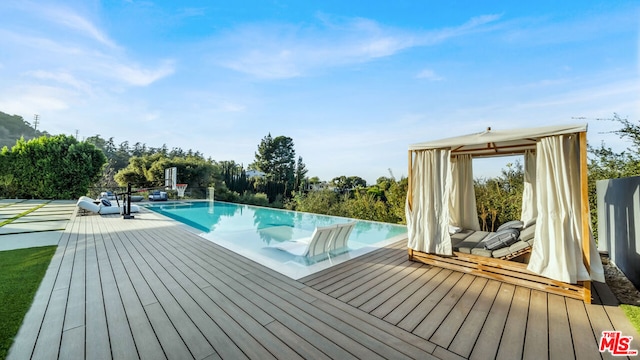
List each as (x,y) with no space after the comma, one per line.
(353,83)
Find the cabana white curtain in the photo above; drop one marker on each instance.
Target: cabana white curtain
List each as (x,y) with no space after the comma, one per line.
(557,252)
(428,217)
(529,203)
(462,205)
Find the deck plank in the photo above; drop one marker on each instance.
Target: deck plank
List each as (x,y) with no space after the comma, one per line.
(513,337)
(413,318)
(372,324)
(130,330)
(268,301)
(349,268)
(465,339)
(153,290)
(72,345)
(559,330)
(437,307)
(365,282)
(396,311)
(96,320)
(487,343)
(195,300)
(446,330)
(584,339)
(536,343)
(406,286)
(75,312)
(167,291)
(380,289)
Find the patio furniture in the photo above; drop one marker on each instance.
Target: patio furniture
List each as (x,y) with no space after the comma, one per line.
(87,205)
(313,246)
(158,195)
(339,242)
(440,194)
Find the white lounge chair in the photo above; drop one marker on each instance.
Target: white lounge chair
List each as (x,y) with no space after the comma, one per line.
(341,237)
(87,204)
(314,246)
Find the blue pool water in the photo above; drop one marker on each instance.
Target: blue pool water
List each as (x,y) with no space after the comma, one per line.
(250,230)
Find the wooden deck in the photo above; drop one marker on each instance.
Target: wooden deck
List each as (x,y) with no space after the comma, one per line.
(146,288)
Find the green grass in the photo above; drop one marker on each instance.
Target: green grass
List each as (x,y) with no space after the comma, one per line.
(20,274)
(633,314)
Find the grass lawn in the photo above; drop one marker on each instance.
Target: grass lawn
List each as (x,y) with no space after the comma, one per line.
(633,313)
(20,274)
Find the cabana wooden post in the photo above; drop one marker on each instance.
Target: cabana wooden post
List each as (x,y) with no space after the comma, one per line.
(504,143)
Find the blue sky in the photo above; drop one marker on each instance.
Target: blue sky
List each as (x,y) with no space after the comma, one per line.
(352,82)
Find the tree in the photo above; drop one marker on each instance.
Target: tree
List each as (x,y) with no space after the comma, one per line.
(147,171)
(607,164)
(301,173)
(344,183)
(276,158)
(500,199)
(57,167)
(14,127)
(234,176)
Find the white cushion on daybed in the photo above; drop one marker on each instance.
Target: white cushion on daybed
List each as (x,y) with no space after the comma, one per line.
(108,210)
(90,206)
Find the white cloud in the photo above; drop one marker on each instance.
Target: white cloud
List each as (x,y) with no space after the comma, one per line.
(275,51)
(35,99)
(135,75)
(61,53)
(76,22)
(429,74)
(61,77)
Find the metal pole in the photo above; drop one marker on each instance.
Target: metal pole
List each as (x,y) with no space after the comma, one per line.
(127,207)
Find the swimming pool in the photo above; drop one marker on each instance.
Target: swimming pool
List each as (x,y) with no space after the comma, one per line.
(250,230)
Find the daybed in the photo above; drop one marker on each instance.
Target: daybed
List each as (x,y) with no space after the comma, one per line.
(563,258)
(508,242)
(102,207)
(158,195)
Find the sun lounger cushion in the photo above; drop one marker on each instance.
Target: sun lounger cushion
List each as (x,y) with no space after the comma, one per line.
(520,245)
(86,198)
(529,223)
(460,236)
(470,242)
(501,252)
(528,233)
(108,210)
(479,250)
(515,224)
(500,239)
(88,205)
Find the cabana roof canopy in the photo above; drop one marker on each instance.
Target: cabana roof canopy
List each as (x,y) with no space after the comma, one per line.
(498,143)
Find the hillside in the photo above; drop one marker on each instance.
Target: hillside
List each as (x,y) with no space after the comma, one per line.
(12,127)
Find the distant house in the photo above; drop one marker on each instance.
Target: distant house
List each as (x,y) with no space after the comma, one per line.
(254,173)
(323,185)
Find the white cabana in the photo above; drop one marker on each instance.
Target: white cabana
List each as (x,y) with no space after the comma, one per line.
(555,196)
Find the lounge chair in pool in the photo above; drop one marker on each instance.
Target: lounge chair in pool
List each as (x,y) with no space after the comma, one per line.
(87,205)
(341,237)
(314,246)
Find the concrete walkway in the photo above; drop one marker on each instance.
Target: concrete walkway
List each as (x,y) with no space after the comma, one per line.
(31,223)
